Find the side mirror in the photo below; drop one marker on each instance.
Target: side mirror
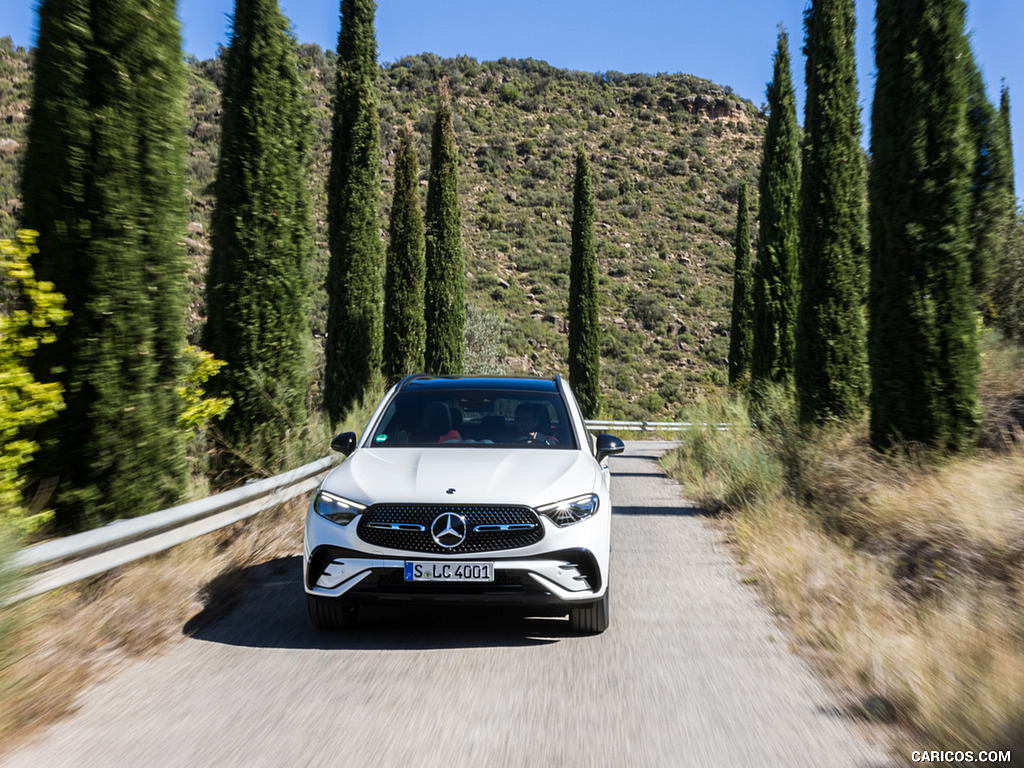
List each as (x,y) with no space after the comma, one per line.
(608,445)
(344,443)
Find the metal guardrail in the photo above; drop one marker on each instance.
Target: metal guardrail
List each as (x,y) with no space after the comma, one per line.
(649,426)
(61,562)
(86,554)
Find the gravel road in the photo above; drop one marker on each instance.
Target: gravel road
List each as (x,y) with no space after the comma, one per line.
(692,672)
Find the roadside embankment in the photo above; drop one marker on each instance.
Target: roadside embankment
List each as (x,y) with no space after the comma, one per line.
(900,577)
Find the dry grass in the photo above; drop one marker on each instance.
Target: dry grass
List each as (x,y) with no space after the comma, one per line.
(900,577)
(949,667)
(65,640)
(1002,392)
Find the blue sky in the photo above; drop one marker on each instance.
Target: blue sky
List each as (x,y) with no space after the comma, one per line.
(730,42)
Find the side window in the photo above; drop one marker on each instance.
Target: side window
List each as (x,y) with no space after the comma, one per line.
(384,425)
(397,424)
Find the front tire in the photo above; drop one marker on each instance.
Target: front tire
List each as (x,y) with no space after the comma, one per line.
(590,619)
(330,613)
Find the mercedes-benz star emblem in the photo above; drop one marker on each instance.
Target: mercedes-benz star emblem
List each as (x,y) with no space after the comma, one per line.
(448,530)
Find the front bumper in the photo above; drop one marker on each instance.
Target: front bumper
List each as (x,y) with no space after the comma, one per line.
(545,579)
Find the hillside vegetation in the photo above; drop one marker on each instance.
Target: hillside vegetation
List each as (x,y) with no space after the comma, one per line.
(669,153)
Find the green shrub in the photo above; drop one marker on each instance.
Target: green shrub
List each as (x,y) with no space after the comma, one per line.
(724,469)
(624,382)
(669,391)
(486,334)
(652,402)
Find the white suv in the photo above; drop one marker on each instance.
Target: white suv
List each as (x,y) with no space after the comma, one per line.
(465,490)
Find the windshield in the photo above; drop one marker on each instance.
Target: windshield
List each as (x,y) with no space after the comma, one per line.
(475,417)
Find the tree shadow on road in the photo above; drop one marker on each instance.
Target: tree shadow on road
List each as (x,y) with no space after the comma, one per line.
(685,509)
(648,466)
(639,474)
(629,458)
(265,607)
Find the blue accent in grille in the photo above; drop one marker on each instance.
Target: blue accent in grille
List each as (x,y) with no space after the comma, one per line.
(394,526)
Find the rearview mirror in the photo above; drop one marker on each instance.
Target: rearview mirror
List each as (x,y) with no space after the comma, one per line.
(608,445)
(344,443)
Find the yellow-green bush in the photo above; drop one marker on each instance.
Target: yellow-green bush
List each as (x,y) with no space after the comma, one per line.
(200,410)
(29,308)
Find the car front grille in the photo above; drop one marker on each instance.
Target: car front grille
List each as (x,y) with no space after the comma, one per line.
(488,528)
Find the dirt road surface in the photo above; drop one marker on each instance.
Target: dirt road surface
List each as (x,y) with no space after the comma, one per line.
(692,672)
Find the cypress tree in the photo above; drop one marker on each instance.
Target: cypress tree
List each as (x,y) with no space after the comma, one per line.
(584,316)
(741,339)
(354,275)
(165,214)
(257,287)
(831,373)
(776,288)
(1009,187)
(404,275)
(103,186)
(1008,279)
(444,302)
(990,207)
(921,342)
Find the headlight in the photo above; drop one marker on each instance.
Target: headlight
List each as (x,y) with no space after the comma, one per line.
(335,508)
(571,510)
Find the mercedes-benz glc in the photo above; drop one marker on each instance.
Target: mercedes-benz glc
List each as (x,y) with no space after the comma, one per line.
(465,490)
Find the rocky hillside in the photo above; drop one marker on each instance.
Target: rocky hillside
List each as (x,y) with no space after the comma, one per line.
(668,151)
(15,96)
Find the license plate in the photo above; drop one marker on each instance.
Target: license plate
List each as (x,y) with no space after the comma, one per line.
(421,570)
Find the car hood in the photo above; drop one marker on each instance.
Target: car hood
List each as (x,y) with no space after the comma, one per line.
(464,475)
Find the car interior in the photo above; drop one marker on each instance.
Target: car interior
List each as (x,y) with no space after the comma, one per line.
(501,419)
